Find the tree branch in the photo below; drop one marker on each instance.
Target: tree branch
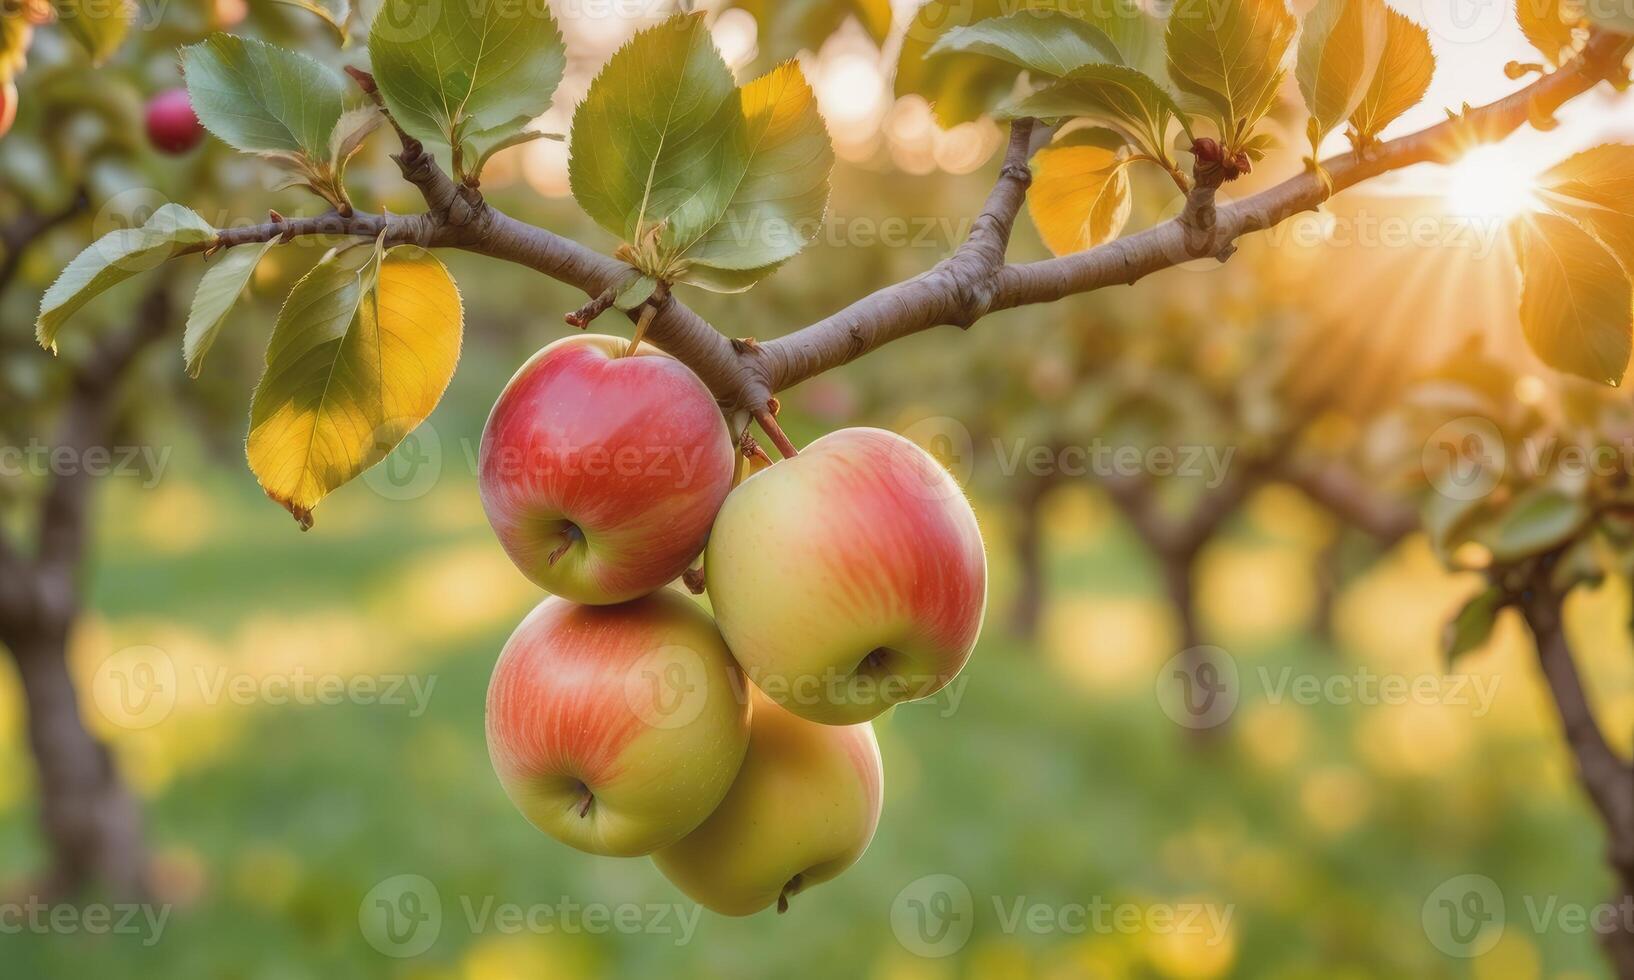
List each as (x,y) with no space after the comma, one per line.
(1334,488)
(970,284)
(30,228)
(1131,259)
(1607,779)
(867,325)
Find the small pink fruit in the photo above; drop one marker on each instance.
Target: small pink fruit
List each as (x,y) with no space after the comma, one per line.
(172,126)
(8,106)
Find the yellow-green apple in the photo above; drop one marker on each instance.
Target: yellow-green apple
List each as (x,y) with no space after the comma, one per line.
(803,809)
(601,473)
(617,729)
(850,577)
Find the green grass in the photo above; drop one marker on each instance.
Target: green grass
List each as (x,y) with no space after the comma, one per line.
(1034,789)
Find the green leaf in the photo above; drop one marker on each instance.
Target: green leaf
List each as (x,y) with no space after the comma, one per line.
(788,27)
(1609,15)
(1080,196)
(1046,42)
(362,352)
(652,132)
(263,99)
(470,76)
(1472,627)
(1339,52)
(638,291)
(1448,520)
(217,293)
(1120,97)
(1547,24)
(1577,305)
(1402,78)
(708,184)
(1578,565)
(99,26)
(112,259)
(962,87)
(775,183)
(351,129)
(1540,519)
(331,12)
(1228,55)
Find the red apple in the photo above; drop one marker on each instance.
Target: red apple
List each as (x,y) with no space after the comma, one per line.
(849,578)
(172,126)
(8,106)
(617,729)
(602,473)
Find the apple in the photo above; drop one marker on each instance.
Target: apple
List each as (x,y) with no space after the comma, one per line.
(850,577)
(617,729)
(803,809)
(601,473)
(8,105)
(172,126)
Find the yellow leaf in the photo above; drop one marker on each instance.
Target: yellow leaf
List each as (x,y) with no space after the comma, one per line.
(1403,76)
(1080,196)
(1577,308)
(362,352)
(1595,189)
(1339,51)
(1548,25)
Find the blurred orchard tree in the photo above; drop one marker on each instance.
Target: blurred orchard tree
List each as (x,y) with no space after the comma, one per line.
(1101,99)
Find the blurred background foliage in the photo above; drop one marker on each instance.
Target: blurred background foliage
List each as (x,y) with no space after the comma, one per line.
(1057,778)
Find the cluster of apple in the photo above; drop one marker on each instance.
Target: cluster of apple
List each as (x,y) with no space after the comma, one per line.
(736,749)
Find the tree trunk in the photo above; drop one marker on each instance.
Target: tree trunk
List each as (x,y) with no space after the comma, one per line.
(1028,608)
(1177,581)
(91,822)
(1618,942)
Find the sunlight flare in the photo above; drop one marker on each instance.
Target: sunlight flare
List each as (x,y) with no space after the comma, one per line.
(1490,182)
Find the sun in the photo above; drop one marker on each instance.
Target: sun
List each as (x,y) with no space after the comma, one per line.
(1490,182)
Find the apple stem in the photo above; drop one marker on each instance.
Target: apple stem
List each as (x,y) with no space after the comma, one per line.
(783,896)
(584,806)
(751,450)
(694,579)
(648,312)
(767,417)
(571,535)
